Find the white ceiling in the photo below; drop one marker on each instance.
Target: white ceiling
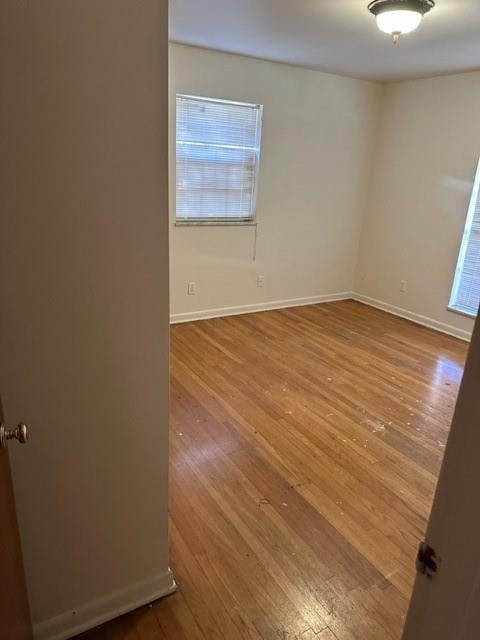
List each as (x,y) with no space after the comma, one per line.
(339,36)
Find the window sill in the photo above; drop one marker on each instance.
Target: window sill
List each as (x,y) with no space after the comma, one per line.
(462,312)
(215,223)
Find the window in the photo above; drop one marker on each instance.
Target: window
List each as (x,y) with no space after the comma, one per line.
(218,153)
(466,287)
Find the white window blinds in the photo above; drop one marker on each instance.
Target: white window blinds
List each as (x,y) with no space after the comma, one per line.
(218,152)
(466,286)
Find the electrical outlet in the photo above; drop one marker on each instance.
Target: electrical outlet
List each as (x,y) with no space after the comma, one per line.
(260,282)
(403,286)
(191,288)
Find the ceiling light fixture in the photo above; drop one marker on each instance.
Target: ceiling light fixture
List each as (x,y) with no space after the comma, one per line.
(397,17)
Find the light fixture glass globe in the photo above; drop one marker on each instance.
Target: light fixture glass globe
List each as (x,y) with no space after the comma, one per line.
(398,21)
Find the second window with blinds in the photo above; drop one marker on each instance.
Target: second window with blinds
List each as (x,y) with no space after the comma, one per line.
(465,296)
(218,155)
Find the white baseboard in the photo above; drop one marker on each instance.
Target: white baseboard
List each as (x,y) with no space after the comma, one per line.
(414,317)
(463,334)
(178,318)
(69,624)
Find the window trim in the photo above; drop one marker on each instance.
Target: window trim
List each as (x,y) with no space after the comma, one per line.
(251,221)
(463,248)
(216,222)
(462,312)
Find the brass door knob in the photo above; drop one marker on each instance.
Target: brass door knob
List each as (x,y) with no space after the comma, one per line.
(20,433)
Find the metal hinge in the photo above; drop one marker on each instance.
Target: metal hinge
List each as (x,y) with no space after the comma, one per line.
(427,562)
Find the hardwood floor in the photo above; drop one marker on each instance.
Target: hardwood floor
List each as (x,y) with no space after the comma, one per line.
(305,446)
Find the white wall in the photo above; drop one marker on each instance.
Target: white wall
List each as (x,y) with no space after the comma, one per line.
(318,133)
(361,186)
(84,321)
(428,145)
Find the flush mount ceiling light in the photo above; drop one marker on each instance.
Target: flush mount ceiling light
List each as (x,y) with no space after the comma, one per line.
(397,17)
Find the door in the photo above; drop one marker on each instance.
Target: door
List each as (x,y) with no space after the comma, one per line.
(84,301)
(446,604)
(14,614)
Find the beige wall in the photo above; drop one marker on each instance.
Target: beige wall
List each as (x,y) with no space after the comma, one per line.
(84,321)
(427,152)
(316,152)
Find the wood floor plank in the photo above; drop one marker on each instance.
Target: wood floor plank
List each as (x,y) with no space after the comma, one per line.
(326,634)
(305,448)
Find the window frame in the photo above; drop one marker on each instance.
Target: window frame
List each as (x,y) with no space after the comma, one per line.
(475,195)
(218,221)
